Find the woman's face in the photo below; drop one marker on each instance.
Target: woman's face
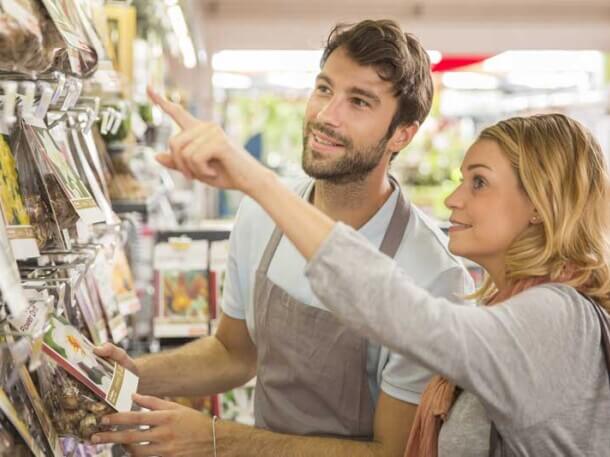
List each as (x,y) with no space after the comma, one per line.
(489,209)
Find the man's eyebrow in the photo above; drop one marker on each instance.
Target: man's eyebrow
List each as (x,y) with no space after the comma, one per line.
(365,93)
(324,78)
(374,98)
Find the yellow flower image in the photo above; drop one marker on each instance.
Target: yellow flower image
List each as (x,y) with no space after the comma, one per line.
(11,199)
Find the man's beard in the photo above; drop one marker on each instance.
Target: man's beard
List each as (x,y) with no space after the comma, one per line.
(353,166)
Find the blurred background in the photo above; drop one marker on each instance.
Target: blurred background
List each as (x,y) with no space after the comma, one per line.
(250,65)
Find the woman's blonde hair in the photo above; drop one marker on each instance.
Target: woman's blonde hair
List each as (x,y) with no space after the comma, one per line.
(562,169)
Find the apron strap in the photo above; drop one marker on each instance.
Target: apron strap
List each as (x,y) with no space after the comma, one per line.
(276,237)
(398,224)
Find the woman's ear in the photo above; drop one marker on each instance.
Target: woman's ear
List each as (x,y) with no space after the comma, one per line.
(535,218)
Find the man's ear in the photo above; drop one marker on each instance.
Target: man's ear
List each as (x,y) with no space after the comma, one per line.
(402,136)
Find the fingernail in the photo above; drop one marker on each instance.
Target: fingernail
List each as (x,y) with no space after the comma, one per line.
(95,439)
(105,420)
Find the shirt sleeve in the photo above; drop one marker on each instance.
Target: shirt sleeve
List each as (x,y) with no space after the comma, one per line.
(401,377)
(236,280)
(507,355)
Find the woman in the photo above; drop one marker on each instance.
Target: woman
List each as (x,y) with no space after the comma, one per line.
(533,211)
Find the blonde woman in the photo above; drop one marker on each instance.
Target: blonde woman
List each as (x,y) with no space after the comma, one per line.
(533,211)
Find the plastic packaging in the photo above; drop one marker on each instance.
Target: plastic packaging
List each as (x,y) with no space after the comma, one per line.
(39,211)
(77,411)
(21,40)
(66,39)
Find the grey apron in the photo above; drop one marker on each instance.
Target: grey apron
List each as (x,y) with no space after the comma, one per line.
(311,369)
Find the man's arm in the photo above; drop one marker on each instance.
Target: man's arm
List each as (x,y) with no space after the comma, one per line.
(393,421)
(178,431)
(203,367)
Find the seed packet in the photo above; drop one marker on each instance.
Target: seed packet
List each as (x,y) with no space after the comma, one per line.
(91,178)
(60,178)
(122,284)
(182,288)
(12,386)
(19,423)
(73,52)
(87,299)
(77,410)
(21,39)
(42,218)
(10,284)
(72,352)
(16,218)
(37,406)
(11,443)
(102,273)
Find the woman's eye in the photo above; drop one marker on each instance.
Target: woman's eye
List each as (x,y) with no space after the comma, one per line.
(478,182)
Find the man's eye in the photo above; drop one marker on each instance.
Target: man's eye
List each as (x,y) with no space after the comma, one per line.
(360,103)
(323,89)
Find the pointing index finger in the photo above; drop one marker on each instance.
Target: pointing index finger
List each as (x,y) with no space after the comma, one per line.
(182,117)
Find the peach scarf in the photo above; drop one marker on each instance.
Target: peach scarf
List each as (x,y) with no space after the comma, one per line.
(440,394)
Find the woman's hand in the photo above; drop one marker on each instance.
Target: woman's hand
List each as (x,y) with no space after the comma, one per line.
(204,152)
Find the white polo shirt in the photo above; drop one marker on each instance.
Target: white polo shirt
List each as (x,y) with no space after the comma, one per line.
(423,254)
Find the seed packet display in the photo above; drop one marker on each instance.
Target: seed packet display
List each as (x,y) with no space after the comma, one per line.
(122,284)
(16,218)
(59,173)
(71,351)
(182,288)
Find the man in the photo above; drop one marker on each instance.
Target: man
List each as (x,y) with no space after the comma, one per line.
(322,390)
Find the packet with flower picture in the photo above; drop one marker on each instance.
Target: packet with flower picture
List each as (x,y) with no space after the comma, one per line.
(61,179)
(72,352)
(16,217)
(181,277)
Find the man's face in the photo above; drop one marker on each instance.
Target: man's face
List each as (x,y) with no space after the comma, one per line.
(346,121)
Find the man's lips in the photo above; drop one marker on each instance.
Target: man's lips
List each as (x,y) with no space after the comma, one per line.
(325,140)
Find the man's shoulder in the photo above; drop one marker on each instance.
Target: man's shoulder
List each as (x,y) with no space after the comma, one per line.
(249,209)
(252,220)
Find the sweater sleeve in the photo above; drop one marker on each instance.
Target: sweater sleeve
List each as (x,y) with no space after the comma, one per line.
(507,355)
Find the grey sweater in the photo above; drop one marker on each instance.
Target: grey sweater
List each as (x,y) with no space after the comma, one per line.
(533,365)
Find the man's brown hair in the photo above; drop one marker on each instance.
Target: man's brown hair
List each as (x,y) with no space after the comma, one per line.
(398,58)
